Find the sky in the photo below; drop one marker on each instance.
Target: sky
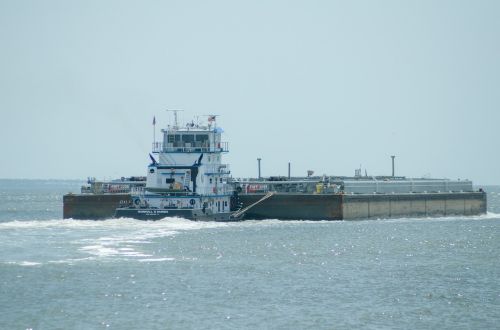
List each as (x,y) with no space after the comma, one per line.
(328,86)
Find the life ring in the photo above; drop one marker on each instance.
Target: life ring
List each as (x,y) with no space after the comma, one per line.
(137,201)
(192,201)
(214,190)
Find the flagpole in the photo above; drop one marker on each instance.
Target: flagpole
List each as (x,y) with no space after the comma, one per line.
(154,131)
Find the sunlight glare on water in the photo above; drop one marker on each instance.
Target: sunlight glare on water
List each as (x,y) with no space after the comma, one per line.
(178,274)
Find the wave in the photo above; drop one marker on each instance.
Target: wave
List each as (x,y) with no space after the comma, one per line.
(24,263)
(107,240)
(127,239)
(487,216)
(133,233)
(172,223)
(180,224)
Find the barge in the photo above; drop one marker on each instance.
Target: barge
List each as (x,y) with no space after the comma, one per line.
(186,178)
(311,205)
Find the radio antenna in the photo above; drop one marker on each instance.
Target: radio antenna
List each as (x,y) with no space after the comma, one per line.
(176,123)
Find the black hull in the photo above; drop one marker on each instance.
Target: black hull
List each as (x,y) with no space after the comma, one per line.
(158,214)
(302,206)
(93,207)
(294,206)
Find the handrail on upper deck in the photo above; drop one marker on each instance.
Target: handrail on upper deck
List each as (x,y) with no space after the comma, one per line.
(158,147)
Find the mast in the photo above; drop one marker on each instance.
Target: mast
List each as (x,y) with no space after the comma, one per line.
(176,123)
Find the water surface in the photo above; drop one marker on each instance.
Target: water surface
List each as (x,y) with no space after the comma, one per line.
(178,274)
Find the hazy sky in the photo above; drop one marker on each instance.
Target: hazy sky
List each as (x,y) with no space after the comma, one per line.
(326,85)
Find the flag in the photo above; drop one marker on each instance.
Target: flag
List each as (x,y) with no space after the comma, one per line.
(154,120)
(211,118)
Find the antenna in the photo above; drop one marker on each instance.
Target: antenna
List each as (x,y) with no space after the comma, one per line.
(258,162)
(393,165)
(176,123)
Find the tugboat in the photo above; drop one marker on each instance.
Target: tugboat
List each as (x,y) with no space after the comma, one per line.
(187,179)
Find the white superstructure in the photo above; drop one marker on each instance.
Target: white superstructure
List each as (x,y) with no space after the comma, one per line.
(187,173)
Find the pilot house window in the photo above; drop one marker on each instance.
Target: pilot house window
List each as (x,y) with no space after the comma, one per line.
(188,138)
(178,139)
(203,138)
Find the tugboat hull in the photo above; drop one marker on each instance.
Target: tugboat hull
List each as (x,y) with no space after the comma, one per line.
(159,214)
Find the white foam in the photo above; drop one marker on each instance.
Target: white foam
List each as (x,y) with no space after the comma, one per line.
(131,234)
(24,263)
(62,261)
(166,223)
(100,250)
(451,218)
(71,260)
(156,259)
(491,215)
(126,238)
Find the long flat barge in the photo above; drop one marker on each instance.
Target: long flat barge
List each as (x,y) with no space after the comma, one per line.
(188,178)
(317,199)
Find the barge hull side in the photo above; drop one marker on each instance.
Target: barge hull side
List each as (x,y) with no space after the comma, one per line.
(412,205)
(93,207)
(310,206)
(294,206)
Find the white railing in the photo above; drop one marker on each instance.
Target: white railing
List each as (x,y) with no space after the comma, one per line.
(254,188)
(157,147)
(223,189)
(189,147)
(211,169)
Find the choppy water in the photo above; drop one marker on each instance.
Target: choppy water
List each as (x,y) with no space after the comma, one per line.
(178,274)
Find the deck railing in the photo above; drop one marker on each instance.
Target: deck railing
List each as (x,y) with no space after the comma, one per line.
(189,147)
(224,189)
(217,169)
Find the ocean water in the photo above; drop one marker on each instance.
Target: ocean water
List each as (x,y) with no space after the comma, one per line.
(177,274)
